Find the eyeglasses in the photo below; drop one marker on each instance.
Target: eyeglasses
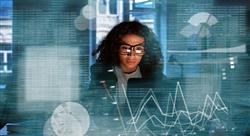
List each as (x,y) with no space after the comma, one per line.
(126,49)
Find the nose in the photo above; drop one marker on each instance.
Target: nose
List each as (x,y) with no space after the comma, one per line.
(132,53)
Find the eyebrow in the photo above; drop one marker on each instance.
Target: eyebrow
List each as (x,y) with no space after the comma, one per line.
(123,43)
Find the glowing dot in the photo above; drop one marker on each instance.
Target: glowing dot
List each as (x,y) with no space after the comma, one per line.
(106,114)
(232,62)
(224,78)
(223,73)
(232,67)
(231,58)
(111,70)
(88,12)
(104,98)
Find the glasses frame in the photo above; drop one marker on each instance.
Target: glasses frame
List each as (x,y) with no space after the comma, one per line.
(132,48)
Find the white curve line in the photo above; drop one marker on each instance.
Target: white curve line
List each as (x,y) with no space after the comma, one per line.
(204,114)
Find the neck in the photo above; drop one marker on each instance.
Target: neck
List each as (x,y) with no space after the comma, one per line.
(129,72)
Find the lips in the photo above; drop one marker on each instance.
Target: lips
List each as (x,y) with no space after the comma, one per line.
(131,62)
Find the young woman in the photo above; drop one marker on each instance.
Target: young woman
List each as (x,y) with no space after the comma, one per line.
(130,50)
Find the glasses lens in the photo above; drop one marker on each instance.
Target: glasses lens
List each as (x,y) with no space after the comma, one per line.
(139,49)
(127,49)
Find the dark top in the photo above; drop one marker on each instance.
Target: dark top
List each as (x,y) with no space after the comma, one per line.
(99,99)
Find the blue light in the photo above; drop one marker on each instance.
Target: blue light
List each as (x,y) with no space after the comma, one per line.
(2,86)
(3,131)
(6,9)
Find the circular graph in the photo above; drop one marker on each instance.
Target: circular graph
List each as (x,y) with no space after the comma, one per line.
(88,12)
(81,23)
(47,129)
(70,118)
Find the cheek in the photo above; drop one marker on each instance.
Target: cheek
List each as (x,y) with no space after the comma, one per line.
(139,58)
(122,58)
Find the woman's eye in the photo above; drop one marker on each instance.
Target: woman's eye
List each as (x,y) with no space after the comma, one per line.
(125,48)
(139,48)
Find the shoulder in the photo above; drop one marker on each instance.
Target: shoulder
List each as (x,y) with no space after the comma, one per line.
(101,71)
(100,76)
(100,67)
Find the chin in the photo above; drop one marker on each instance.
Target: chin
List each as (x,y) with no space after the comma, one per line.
(131,66)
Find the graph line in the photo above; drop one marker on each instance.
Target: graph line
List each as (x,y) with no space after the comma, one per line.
(173,119)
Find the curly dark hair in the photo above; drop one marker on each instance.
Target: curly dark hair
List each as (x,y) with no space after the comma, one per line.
(109,47)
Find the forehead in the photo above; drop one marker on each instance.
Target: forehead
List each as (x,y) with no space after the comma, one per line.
(132,39)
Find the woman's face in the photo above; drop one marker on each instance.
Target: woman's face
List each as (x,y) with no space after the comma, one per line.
(131,52)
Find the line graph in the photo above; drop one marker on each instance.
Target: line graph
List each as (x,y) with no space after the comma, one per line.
(175,116)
